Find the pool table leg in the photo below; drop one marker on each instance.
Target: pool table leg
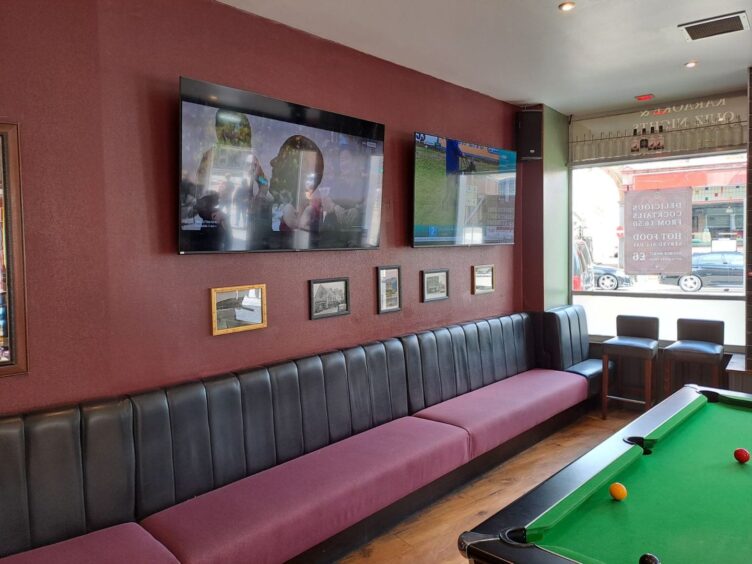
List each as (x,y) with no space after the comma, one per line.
(716,376)
(666,377)
(604,388)
(648,384)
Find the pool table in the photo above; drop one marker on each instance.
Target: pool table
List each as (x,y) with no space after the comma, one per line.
(688,499)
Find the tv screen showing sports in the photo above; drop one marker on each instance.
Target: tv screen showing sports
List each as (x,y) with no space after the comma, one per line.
(463,193)
(259,174)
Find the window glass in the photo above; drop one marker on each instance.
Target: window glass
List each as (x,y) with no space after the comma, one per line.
(656,231)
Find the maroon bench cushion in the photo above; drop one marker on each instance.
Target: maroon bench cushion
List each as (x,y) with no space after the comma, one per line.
(122,544)
(278,513)
(494,414)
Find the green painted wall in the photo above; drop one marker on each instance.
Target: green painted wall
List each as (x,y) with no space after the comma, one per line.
(555,208)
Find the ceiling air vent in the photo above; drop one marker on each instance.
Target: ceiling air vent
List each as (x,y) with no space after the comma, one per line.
(715,26)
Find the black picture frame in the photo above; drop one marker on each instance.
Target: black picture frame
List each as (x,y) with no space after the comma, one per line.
(381,293)
(481,271)
(433,296)
(321,309)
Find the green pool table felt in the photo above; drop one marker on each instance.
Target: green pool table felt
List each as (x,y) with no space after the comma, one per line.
(688,501)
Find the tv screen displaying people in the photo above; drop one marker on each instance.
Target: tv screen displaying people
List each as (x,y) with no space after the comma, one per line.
(259,174)
(463,193)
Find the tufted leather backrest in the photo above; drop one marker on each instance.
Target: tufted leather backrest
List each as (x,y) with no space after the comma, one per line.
(65,472)
(566,340)
(451,361)
(68,471)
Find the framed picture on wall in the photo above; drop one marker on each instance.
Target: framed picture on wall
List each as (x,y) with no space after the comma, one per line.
(238,308)
(390,289)
(435,284)
(329,297)
(483,279)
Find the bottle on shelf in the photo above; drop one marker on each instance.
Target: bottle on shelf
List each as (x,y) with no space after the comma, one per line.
(717,133)
(644,141)
(688,139)
(737,132)
(660,139)
(695,138)
(726,132)
(587,148)
(634,142)
(615,146)
(652,140)
(574,149)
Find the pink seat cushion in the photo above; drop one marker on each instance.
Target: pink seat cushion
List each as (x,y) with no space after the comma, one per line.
(279,513)
(122,544)
(496,413)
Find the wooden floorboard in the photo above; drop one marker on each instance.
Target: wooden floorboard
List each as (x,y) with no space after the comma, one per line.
(431,535)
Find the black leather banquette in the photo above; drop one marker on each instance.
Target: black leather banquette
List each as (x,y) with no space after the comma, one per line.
(69,471)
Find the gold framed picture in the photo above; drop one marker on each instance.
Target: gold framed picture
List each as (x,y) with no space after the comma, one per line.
(484,281)
(238,308)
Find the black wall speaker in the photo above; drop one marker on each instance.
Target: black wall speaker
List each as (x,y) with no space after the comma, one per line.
(530,135)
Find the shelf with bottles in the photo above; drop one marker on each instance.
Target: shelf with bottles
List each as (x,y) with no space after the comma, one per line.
(659,140)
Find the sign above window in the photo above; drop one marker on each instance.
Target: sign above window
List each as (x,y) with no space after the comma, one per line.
(705,125)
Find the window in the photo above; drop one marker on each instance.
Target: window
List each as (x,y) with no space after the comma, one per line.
(666,238)
(13,358)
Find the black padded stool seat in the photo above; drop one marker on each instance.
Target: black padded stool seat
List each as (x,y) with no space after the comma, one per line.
(633,347)
(637,338)
(700,342)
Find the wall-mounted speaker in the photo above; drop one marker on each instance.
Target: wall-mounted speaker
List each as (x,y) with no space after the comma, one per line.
(530,135)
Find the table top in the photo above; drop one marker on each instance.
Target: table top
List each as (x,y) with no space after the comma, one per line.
(687,497)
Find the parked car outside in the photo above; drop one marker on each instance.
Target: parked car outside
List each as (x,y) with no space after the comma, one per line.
(582,274)
(710,269)
(610,277)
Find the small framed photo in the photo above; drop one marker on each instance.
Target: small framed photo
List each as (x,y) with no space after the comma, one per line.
(238,308)
(329,297)
(435,284)
(484,281)
(390,289)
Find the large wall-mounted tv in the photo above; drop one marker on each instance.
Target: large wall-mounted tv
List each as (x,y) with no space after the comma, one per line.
(463,193)
(259,174)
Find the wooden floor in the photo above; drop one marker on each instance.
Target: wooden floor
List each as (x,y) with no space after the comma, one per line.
(431,535)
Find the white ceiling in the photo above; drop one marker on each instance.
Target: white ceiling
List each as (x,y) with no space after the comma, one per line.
(595,58)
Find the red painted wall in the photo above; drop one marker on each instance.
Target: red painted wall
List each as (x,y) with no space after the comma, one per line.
(112,307)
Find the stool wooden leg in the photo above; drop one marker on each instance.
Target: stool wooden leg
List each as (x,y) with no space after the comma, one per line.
(648,383)
(604,388)
(666,377)
(716,377)
(619,376)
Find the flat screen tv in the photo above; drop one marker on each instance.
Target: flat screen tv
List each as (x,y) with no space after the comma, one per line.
(463,193)
(259,174)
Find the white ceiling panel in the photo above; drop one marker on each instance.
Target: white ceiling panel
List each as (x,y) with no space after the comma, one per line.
(593,59)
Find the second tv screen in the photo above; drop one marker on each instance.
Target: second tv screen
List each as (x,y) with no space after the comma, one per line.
(464,193)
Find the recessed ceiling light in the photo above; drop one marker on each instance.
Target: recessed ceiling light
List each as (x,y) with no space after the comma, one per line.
(567,6)
(644,97)
(691,64)
(213,98)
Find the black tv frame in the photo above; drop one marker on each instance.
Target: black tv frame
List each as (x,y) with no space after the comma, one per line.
(209,94)
(412,233)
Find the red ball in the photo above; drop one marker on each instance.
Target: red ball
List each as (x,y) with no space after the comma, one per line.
(742,455)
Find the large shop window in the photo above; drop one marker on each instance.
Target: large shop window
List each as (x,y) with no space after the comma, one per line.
(661,238)
(13,358)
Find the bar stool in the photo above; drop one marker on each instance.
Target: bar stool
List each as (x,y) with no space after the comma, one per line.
(699,341)
(636,337)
